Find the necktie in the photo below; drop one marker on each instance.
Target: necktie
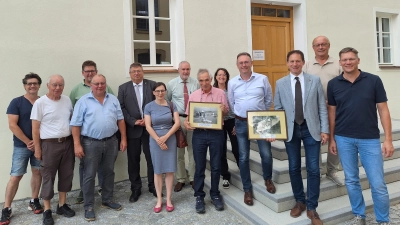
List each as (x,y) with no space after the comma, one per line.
(139,99)
(298,112)
(185,95)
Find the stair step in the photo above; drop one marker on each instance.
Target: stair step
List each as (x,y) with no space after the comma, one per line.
(280,168)
(283,199)
(332,211)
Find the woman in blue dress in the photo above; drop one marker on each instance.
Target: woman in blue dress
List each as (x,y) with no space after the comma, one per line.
(161,126)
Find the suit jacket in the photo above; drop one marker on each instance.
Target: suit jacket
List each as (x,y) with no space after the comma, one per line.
(130,107)
(315,109)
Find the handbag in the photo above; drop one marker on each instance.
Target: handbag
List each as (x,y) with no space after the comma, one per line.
(180,136)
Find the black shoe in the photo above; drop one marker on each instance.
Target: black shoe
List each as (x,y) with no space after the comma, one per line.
(154,192)
(135,195)
(89,215)
(111,205)
(65,210)
(35,206)
(79,199)
(218,203)
(200,208)
(48,218)
(6,214)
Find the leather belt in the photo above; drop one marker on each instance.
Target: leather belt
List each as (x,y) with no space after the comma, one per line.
(62,139)
(240,118)
(183,115)
(95,139)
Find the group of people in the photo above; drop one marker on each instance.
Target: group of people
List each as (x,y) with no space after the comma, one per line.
(94,125)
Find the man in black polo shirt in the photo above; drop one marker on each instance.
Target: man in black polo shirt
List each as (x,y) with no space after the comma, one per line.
(353,99)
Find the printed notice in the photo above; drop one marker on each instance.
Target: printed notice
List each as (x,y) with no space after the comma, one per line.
(258,55)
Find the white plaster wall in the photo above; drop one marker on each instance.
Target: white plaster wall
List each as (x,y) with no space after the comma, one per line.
(352,24)
(215,32)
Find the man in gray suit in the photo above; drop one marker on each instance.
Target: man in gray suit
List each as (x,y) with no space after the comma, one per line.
(133,96)
(302,97)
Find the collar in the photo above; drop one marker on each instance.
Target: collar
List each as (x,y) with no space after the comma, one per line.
(329,60)
(92,96)
(139,84)
(300,76)
(362,75)
(251,76)
(181,81)
(85,85)
(202,92)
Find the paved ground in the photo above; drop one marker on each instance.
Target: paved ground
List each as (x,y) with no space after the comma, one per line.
(141,212)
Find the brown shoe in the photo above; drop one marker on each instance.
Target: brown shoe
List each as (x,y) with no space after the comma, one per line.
(314,217)
(297,209)
(270,186)
(192,183)
(248,198)
(179,186)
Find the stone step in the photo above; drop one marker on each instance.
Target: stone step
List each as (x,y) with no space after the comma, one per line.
(280,168)
(279,151)
(283,199)
(332,211)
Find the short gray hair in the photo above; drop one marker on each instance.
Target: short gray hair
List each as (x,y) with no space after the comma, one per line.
(201,71)
(54,75)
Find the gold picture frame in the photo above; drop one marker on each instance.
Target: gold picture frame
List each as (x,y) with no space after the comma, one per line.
(205,115)
(267,124)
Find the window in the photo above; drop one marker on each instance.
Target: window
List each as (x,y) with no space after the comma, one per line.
(387,32)
(152,30)
(383,40)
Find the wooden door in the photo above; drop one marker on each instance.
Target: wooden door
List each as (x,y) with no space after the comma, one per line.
(272,35)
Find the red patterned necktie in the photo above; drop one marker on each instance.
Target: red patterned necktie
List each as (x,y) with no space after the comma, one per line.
(185,95)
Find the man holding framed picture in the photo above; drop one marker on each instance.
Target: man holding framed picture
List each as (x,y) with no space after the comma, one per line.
(302,97)
(207,138)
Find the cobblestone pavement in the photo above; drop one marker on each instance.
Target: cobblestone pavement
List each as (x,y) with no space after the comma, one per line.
(141,212)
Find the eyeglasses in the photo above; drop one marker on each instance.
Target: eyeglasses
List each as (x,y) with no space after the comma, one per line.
(160,91)
(99,84)
(32,84)
(320,45)
(90,71)
(57,85)
(244,63)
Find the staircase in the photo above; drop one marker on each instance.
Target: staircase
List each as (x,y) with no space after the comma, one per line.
(334,206)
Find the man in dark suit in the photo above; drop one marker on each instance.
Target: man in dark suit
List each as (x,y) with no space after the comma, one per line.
(302,97)
(133,96)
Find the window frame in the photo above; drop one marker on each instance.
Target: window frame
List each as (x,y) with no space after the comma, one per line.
(176,36)
(380,35)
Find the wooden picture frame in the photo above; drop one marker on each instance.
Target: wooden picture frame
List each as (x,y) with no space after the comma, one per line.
(205,115)
(267,124)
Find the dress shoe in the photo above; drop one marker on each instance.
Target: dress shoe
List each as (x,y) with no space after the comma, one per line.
(192,183)
(297,209)
(170,208)
(135,195)
(270,186)
(314,217)
(157,209)
(248,198)
(154,192)
(179,186)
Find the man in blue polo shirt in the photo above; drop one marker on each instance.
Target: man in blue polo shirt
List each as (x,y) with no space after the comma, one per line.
(97,117)
(353,99)
(19,112)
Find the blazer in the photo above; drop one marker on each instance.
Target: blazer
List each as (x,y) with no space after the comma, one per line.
(315,108)
(130,107)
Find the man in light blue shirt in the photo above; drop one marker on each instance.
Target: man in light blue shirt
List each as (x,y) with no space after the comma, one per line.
(97,117)
(250,91)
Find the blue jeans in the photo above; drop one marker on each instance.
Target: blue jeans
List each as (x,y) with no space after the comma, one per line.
(20,158)
(98,154)
(312,151)
(372,161)
(203,139)
(244,152)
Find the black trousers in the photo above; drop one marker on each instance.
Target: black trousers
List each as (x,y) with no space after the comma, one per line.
(229,124)
(134,151)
